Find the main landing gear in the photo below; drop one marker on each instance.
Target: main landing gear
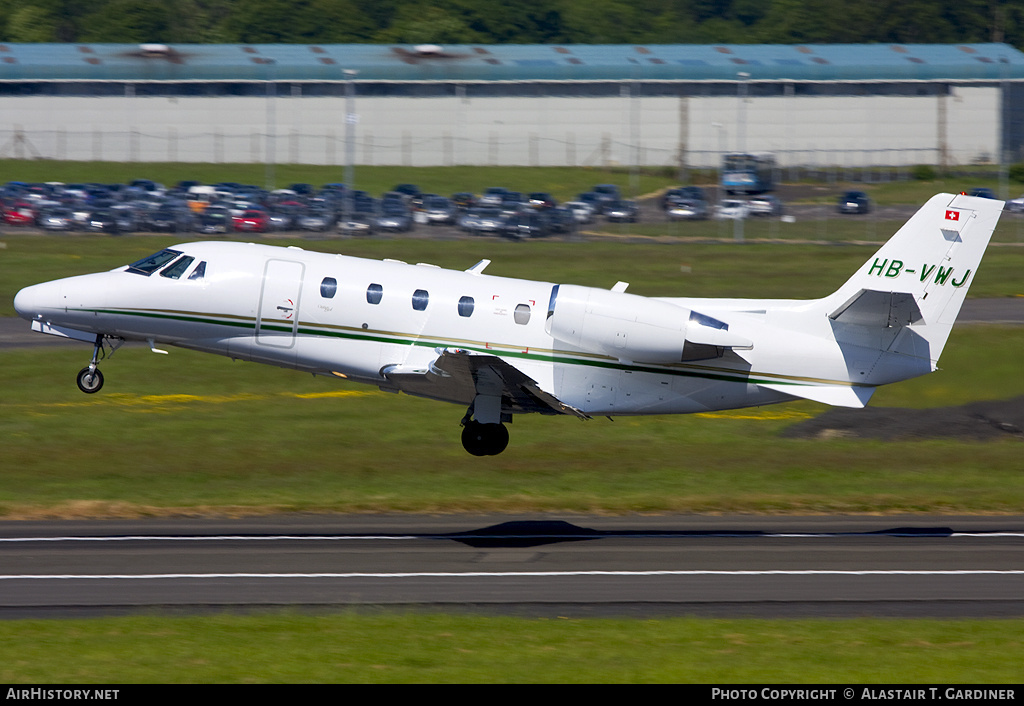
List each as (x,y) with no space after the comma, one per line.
(484,439)
(483,433)
(90,379)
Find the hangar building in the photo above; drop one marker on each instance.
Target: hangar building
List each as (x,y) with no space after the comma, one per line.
(537,105)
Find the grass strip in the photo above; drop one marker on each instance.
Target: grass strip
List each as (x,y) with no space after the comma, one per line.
(391,647)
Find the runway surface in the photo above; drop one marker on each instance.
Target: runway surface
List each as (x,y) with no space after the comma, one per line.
(576,566)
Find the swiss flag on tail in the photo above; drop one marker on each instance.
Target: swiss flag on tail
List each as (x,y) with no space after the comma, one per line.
(952,215)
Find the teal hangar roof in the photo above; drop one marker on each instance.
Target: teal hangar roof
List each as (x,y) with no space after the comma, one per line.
(483,63)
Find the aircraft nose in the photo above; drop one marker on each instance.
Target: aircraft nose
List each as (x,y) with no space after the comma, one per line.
(31,301)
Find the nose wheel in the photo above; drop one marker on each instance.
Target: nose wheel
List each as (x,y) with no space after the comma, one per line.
(90,379)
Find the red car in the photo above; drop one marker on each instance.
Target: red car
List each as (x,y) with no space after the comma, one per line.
(252,221)
(20,214)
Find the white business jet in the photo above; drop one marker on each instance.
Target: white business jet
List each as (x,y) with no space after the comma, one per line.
(504,346)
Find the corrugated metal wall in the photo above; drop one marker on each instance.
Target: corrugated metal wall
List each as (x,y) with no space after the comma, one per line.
(532,130)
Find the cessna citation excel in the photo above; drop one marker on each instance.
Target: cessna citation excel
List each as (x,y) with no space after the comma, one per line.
(503,346)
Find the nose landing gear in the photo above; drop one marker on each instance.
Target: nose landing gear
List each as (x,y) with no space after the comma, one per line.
(90,379)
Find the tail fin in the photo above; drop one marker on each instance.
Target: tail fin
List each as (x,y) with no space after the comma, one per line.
(916,283)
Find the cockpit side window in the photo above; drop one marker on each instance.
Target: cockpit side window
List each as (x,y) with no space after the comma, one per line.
(176,270)
(151,264)
(199,272)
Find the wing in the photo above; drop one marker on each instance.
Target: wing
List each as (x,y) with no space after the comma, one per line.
(458,375)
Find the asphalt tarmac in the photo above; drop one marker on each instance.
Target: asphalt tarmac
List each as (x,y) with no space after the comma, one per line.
(573,566)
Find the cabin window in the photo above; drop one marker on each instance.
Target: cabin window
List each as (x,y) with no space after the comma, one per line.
(374,293)
(199,272)
(328,288)
(522,314)
(176,270)
(466,306)
(420,298)
(151,264)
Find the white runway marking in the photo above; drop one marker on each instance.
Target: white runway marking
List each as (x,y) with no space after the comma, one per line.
(491,537)
(507,574)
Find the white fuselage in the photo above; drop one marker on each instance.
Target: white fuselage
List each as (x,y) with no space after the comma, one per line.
(271,305)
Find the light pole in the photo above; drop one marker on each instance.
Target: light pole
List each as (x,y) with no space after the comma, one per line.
(741,112)
(350,142)
(721,157)
(271,120)
(741,139)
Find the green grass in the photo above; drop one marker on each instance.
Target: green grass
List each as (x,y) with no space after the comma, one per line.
(433,648)
(180,432)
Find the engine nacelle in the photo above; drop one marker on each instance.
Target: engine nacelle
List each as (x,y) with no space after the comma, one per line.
(634,328)
(625,326)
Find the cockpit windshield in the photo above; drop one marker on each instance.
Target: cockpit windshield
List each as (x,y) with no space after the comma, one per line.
(176,270)
(148,265)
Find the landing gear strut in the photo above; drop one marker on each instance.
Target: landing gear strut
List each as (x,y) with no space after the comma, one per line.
(90,379)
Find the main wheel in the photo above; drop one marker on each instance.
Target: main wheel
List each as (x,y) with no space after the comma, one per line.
(90,380)
(484,439)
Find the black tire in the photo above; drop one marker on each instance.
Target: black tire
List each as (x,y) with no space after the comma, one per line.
(90,380)
(484,439)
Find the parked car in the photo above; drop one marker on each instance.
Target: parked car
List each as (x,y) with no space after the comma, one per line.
(283,216)
(683,209)
(983,192)
(395,217)
(583,212)
(1015,205)
(593,200)
(358,223)
(541,199)
(168,219)
(408,190)
(126,218)
(482,220)
(622,211)
(731,209)
(526,224)
(492,196)
(439,210)
(102,221)
(606,193)
(854,202)
(251,221)
(316,219)
(560,219)
(764,205)
(464,200)
(57,220)
(20,214)
(215,220)
(684,193)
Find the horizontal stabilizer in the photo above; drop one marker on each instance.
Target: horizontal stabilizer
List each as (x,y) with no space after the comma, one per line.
(836,395)
(870,307)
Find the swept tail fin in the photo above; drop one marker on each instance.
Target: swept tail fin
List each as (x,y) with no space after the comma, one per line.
(916,283)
